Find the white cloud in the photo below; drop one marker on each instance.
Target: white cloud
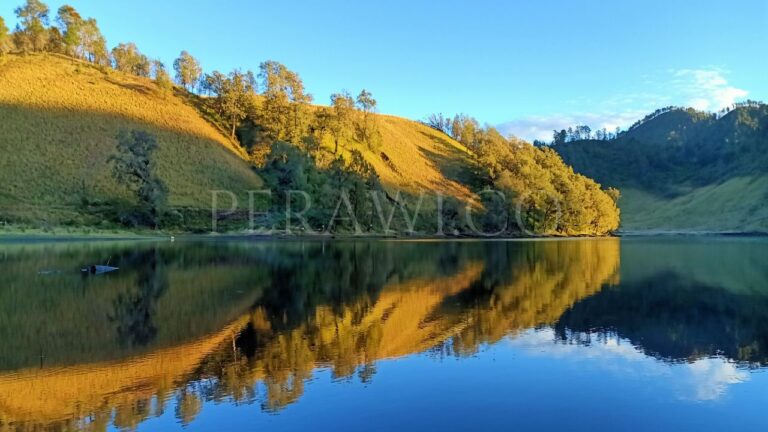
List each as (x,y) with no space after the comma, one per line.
(710,377)
(707,89)
(540,127)
(704,379)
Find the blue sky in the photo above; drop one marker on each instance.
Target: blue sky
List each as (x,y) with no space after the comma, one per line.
(525,66)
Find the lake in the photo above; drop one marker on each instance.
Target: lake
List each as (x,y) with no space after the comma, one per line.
(637,334)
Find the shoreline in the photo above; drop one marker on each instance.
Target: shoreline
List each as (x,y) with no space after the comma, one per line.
(87,234)
(690,233)
(55,237)
(13,236)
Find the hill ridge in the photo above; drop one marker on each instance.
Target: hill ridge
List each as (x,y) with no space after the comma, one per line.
(685,170)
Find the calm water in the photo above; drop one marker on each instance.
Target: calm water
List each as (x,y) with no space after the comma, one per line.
(633,334)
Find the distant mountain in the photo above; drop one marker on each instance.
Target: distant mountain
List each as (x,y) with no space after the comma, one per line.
(685,170)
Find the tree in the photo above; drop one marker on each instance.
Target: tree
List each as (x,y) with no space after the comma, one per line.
(71,25)
(237,97)
(127,58)
(339,120)
(284,112)
(133,166)
(212,84)
(93,46)
(5,38)
(160,74)
(233,95)
(188,70)
(464,129)
(367,129)
(55,42)
(31,34)
(439,122)
(366,102)
(559,137)
(614,193)
(583,132)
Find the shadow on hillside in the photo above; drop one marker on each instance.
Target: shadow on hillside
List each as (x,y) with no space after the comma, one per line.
(191,99)
(137,87)
(452,163)
(199,104)
(38,187)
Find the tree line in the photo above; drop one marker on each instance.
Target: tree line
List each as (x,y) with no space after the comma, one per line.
(463,128)
(281,108)
(258,110)
(529,187)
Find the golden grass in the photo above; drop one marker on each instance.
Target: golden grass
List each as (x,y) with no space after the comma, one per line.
(59,122)
(422,159)
(60,118)
(414,158)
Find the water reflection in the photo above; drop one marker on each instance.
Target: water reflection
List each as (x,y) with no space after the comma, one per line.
(184,324)
(697,379)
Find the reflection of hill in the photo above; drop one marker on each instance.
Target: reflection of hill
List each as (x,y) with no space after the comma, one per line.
(62,399)
(520,291)
(683,299)
(66,318)
(342,306)
(675,318)
(736,264)
(519,285)
(343,339)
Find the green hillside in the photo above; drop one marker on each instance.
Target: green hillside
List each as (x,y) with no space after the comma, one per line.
(58,127)
(61,117)
(60,122)
(684,170)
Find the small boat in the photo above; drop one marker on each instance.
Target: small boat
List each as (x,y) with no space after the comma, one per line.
(98,269)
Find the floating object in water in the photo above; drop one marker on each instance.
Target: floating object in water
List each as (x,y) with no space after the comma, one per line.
(48,272)
(98,269)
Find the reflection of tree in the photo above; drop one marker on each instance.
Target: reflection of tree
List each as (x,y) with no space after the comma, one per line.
(510,286)
(133,311)
(324,275)
(129,416)
(674,318)
(188,406)
(343,306)
(528,285)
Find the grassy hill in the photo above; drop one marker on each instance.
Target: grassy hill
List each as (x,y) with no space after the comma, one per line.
(59,122)
(61,117)
(414,157)
(685,170)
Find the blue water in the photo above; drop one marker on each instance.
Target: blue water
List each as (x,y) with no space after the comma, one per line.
(633,334)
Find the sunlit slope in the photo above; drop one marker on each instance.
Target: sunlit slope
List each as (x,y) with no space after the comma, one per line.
(58,122)
(415,158)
